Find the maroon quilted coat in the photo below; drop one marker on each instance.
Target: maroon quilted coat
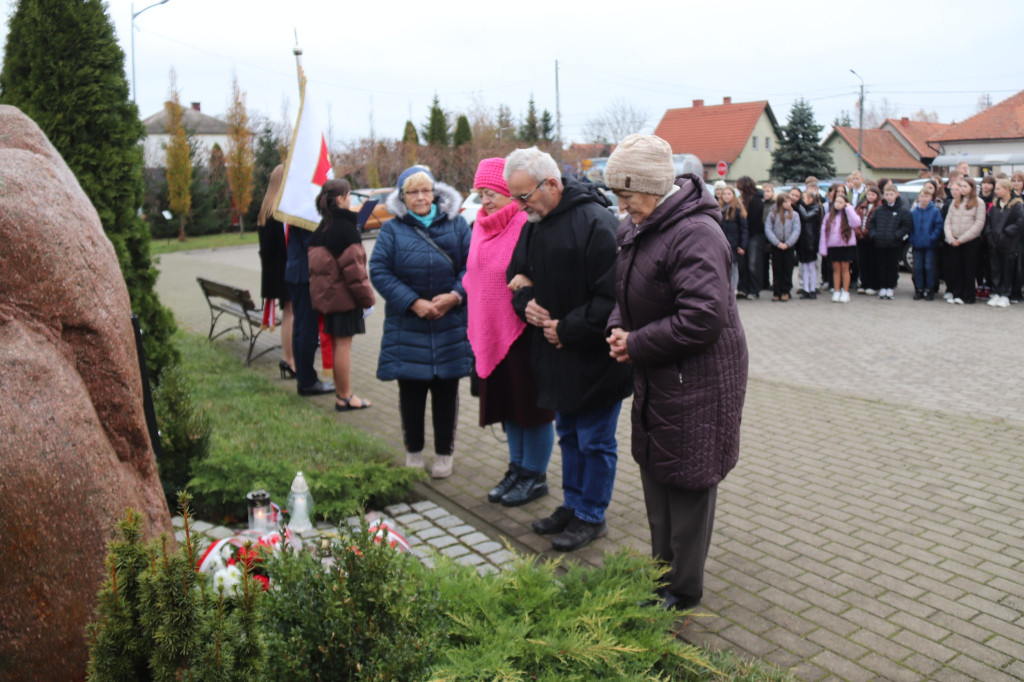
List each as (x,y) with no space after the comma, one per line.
(689,352)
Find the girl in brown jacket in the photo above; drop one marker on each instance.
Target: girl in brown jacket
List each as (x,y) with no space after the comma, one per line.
(339,284)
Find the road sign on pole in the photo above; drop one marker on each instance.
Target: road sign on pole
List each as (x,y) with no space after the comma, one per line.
(723,168)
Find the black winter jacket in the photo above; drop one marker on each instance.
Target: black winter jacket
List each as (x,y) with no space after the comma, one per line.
(735,230)
(1003,226)
(810,231)
(889,225)
(570,257)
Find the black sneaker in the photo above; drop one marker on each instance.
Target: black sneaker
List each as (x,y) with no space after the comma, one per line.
(555,523)
(929,295)
(505,485)
(579,534)
(527,488)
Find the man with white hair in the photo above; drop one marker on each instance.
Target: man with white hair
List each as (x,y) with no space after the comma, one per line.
(563,276)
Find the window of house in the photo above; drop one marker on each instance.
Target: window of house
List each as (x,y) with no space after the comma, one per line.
(767,143)
(754,140)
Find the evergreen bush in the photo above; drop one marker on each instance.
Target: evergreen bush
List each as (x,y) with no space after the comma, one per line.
(184,432)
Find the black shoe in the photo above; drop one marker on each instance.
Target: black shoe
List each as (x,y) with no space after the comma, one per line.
(555,523)
(918,295)
(286,370)
(803,295)
(319,388)
(505,484)
(675,602)
(526,489)
(579,534)
(929,295)
(813,295)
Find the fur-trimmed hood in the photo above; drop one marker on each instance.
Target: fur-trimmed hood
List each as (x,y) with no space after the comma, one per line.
(447,198)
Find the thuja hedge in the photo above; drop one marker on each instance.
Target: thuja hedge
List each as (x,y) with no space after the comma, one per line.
(358,610)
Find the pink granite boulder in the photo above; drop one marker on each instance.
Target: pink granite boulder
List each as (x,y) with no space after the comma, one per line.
(74,449)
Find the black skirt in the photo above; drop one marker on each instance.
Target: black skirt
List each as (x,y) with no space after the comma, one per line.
(509,392)
(345,324)
(842,254)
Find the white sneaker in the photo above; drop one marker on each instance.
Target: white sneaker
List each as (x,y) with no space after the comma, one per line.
(950,300)
(844,297)
(442,467)
(958,301)
(993,300)
(1004,302)
(881,294)
(948,296)
(890,294)
(414,460)
(835,296)
(870,292)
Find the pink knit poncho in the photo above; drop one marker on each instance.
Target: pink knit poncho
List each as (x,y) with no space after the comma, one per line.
(493,324)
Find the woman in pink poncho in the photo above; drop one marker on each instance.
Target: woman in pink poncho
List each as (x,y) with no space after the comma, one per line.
(501,343)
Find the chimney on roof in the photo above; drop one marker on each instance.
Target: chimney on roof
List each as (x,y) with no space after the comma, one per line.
(698,103)
(195,106)
(904,121)
(727,100)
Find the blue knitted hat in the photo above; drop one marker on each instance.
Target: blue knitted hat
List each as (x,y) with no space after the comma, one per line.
(412,170)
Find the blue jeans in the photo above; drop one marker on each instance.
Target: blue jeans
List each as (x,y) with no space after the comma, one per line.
(924,269)
(589,458)
(530,448)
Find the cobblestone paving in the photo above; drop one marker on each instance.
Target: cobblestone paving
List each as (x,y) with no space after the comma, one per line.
(874,527)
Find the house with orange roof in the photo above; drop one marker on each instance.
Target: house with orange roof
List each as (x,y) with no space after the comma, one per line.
(914,136)
(992,140)
(742,134)
(883,155)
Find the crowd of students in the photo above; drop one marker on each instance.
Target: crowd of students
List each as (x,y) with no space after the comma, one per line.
(964,236)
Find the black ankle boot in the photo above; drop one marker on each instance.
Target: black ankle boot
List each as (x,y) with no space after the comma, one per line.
(511,476)
(527,488)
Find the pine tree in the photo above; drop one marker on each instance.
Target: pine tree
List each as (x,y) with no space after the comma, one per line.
(799,153)
(267,157)
(178,160)
(63,68)
(529,131)
(463,133)
(842,120)
(436,131)
(240,154)
(547,126)
(410,136)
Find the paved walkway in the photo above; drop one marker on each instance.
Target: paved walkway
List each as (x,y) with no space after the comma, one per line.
(874,527)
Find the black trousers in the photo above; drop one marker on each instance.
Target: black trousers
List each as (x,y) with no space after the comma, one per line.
(888,262)
(305,334)
(962,266)
(444,408)
(681,525)
(782,271)
(866,265)
(752,265)
(1003,267)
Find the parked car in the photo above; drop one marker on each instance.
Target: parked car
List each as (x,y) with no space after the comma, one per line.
(470,207)
(380,214)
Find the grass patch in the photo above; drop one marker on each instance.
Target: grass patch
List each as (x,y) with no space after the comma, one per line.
(159,247)
(263,435)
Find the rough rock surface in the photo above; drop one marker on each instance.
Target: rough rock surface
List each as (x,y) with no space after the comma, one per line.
(74,449)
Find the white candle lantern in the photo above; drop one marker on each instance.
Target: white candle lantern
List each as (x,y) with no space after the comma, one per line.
(300,505)
(258,502)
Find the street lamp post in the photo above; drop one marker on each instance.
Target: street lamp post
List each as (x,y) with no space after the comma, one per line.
(860,136)
(135,14)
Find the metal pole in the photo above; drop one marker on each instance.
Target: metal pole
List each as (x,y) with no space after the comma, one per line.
(135,14)
(860,135)
(558,114)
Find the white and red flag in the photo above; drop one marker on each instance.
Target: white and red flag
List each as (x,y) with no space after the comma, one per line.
(308,166)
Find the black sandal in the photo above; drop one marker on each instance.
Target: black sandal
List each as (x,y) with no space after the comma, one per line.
(346,403)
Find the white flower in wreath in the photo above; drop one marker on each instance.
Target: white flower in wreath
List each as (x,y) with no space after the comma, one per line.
(226,578)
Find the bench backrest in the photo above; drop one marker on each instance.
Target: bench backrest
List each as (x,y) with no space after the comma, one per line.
(225,291)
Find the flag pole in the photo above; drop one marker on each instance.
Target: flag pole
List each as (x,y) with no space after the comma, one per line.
(297,51)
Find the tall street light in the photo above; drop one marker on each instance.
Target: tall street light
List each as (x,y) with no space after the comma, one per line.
(135,14)
(860,138)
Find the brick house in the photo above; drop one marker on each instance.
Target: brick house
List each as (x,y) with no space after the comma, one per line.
(992,140)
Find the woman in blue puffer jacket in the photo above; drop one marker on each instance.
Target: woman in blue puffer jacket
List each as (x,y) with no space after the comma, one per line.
(417,266)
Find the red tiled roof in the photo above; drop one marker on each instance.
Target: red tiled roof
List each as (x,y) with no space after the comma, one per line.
(881,148)
(1003,121)
(917,133)
(713,133)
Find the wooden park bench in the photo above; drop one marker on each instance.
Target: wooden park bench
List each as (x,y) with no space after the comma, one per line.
(225,299)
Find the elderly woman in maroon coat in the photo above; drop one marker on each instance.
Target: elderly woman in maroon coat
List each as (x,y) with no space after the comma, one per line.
(675,319)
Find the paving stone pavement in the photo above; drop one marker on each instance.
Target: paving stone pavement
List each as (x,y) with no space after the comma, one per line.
(874,527)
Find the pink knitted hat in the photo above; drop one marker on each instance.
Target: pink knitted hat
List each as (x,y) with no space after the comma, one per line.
(490,174)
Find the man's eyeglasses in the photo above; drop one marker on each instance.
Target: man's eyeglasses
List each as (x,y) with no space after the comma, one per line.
(523,198)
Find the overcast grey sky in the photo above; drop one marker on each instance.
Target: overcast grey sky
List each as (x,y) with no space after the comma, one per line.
(378,64)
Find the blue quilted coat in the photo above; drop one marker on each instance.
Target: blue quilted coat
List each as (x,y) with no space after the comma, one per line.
(404,267)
